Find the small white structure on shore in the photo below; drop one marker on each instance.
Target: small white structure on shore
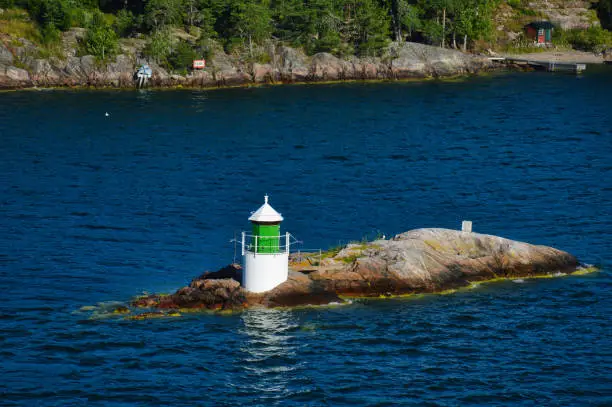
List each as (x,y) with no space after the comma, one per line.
(466,226)
(143,74)
(265,253)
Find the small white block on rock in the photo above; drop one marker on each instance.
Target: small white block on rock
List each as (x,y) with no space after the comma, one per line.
(466,226)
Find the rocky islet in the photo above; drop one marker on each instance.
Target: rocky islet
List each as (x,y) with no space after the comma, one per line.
(419,261)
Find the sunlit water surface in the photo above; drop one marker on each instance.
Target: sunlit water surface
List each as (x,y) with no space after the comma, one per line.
(98,209)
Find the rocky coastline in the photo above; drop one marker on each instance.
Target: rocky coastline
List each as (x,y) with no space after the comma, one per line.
(20,67)
(415,262)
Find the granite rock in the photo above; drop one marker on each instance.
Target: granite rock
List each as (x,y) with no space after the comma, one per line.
(418,261)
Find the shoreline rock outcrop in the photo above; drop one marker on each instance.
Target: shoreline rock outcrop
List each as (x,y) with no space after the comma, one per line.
(21,68)
(418,261)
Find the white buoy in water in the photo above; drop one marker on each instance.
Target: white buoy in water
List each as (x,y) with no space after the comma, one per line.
(106,114)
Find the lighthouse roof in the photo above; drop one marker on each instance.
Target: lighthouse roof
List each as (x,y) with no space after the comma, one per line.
(266,213)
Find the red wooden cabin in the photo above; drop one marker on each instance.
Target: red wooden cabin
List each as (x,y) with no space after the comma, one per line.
(540,32)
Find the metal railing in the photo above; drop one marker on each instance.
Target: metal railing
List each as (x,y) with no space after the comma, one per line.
(313,257)
(266,244)
(283,243)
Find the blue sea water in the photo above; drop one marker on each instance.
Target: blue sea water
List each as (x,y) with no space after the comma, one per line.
(96,209)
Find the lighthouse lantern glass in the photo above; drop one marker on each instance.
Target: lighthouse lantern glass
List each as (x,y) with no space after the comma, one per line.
(266,238)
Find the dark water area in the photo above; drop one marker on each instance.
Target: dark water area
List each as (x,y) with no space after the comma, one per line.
(99,209)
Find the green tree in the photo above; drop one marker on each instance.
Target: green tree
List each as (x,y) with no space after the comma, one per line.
(206,48)
(293,21)
(604,11)
(160,13)
(330,42)
(594,39)
(125,23)
(54,13)
(409,17)
(473,19)
(404,16)
(182,57)
(135,6)
(251,23)
(159,46)
(192,12)
(372,27)
(101,39)
(436,11)
(326,24)
(206,21)
(432,31)
(50,35)
(467,18)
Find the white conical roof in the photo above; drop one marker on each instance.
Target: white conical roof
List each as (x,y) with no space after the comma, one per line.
(266,213)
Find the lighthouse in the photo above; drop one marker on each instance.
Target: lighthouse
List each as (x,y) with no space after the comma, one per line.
(265,252)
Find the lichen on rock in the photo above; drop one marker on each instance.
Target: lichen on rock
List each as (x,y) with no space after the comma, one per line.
(418,261)
(286,65)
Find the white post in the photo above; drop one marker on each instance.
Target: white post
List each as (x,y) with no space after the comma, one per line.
(466,226)
(256,243)
(287,242)
(243,237)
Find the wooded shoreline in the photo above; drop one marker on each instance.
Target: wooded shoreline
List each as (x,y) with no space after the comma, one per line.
(287,65)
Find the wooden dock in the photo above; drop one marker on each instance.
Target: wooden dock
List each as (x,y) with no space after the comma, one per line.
(550,66)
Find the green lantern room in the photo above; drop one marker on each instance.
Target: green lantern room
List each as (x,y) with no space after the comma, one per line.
(266,229)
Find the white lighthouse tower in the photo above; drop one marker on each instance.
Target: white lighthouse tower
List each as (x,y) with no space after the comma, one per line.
(265,253)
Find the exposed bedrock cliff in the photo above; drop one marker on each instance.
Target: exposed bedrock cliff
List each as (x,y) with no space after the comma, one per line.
(418,261)
(21,68)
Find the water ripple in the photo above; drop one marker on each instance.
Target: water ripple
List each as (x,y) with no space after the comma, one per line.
(99,210)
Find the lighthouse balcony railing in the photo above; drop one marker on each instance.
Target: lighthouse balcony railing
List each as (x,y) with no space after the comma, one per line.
(271,245)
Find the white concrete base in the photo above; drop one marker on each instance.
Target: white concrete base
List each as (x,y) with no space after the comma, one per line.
(263,272)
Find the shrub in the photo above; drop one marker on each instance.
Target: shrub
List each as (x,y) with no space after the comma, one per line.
(101,41)
(332,42)
(161,13)
(51,13)
(125,24)
(8,4)
(182,57)
(80,17)
(206,48)
(50,34)
(432,31)
(51,41)
(373,46)
(159,46)
(17,24)
(263,58)
(594,39)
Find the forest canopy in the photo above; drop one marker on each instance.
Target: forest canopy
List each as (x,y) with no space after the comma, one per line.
(340,27)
